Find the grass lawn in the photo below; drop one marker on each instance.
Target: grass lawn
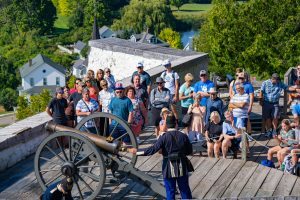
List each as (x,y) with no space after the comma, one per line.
(192,7)
(61,24)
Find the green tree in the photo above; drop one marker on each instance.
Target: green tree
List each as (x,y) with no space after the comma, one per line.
(172,37)
(177,3)
(29,14)
(8,98)
(8,75)
(245,35)
(139,15)
(23,109)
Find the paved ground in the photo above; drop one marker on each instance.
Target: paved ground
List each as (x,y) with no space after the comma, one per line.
(7,119)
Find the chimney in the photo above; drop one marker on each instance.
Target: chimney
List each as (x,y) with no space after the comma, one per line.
(95,34)
(30,62)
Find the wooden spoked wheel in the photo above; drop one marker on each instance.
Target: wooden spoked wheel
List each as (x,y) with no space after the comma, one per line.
(67,154)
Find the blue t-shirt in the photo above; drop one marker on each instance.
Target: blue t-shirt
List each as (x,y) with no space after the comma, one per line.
(186,91)
(248,88)
(203,87)
(121,107)
(228,129)
(296,110)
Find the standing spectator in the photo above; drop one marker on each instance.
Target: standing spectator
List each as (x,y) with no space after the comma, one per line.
(109,78)
(91,75)
(159,98)
(56,107)
(175,147)
(140,91)
(171,79)
(145,79)
(294,96)
(186,93)
(77,96)
(239,105)
(122,107)
(295,75)
(213,134)
(269,100)
(99,78)
(202,87)
(196,128)
(105,96)
(286,140)
(74,89)
(92,89)
(231,135)
(70,109)
(237,72)
(139,112)
(214,103)
(85,107)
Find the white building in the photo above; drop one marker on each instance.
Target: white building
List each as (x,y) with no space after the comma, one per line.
(41,73)
(79,68)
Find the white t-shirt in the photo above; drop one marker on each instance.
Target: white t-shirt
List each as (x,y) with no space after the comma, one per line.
(169,79)
(105,97)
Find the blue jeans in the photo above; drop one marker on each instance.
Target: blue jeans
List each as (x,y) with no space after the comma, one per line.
(119,131)
(183,184)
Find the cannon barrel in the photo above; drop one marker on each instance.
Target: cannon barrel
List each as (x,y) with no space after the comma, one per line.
(100,141)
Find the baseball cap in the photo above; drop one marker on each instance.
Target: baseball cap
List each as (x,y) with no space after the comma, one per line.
(275,76)
(140,64)
(59,90)
(166,62)
(159,80)
(202,72)
(212,90)
(119,86)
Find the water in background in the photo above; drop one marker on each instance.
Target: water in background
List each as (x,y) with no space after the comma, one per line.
(185,36)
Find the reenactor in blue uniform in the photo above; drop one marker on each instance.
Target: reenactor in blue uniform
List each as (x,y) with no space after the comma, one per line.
(59,190)
(175,146)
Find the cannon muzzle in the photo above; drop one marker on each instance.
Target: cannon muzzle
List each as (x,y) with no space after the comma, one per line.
(100,141)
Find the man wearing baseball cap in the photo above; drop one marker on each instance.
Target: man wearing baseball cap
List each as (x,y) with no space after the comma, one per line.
(202,87)
(171,80)
(269,100)
(145,79)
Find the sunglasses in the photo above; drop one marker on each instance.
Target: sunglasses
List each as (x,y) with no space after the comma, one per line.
(298,68)
(77,83)
(87,81)
(242,78)
(159,83)
(203,75)
(119,92)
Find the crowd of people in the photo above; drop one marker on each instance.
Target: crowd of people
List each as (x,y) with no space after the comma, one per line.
(209,119)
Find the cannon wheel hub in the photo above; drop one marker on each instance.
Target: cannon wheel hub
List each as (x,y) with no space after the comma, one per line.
(68,169)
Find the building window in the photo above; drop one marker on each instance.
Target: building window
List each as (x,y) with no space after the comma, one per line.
(57,81)
(44,71)
(31,82)
(44,81)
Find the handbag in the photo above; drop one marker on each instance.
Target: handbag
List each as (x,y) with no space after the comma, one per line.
(187,118)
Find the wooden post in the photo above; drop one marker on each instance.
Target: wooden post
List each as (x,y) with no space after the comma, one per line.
(244,144)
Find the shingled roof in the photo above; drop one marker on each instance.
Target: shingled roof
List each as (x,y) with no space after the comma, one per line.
(36,62)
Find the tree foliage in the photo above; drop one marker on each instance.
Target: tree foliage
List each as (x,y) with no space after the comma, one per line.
(245,35)
(36,104)
(177,3)
(8,98)
(140,15)
(26,15)
(172,37)
(8,75)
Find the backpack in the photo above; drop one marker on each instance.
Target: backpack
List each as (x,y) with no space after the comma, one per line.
(164,74)
(268,163)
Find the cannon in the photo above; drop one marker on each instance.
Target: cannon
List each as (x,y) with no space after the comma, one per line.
(86,152)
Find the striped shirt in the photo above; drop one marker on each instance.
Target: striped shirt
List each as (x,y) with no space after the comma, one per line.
(240,112)
(91,106)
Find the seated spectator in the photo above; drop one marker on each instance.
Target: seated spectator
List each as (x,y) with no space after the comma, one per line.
(159,98)
(232,135)
(105,96)
(186,93)
(109,78)
(85,107)
(213,135)
(214,103)
(286,140)
(196,128)
(139,112)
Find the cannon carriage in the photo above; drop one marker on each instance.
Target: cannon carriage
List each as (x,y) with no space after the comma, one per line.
(85,153)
